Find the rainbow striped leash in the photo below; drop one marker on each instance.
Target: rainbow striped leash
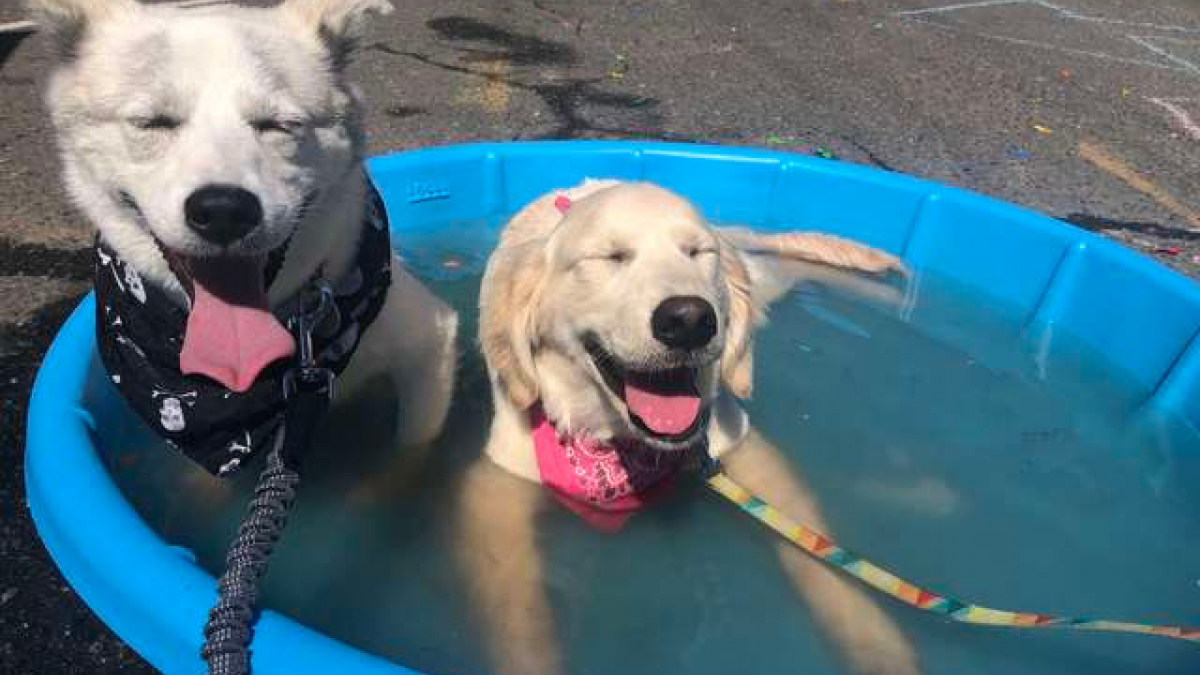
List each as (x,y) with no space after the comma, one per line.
(826,550)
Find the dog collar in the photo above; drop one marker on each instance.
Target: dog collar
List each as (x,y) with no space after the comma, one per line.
(139,331)
(603,483)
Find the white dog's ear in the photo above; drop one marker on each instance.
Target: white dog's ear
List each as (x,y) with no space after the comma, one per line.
(339,23)
(508,332)
(66,21)
(744,316)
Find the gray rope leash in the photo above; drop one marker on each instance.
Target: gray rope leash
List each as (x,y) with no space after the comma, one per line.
(307,388)
(227,632)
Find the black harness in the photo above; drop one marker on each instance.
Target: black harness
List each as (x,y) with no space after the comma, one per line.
(139,330)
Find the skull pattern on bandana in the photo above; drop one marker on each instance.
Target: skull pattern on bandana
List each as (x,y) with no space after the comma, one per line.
(139,331)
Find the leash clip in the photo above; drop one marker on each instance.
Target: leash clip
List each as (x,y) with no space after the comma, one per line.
(307,376)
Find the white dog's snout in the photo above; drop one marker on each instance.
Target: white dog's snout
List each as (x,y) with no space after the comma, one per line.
(222,214)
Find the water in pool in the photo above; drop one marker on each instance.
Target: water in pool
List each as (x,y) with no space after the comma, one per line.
(980,470)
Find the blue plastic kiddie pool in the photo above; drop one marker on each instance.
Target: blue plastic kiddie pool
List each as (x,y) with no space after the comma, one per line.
(1139,316)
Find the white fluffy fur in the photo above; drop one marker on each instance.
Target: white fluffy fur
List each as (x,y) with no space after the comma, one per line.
(551,280)
(220,73)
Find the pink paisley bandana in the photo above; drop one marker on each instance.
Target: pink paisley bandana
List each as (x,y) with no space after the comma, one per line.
(602,483)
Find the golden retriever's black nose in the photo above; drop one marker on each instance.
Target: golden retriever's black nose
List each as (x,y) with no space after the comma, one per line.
(222,214)
(684,322)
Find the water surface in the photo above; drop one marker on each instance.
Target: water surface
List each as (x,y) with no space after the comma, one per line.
(939,443)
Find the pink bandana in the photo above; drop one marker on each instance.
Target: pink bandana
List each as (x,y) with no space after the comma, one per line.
(603,484)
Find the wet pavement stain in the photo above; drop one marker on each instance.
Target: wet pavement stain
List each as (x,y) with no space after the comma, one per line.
(30,259)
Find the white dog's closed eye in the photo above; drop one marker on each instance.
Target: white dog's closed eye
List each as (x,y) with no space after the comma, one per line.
(218,151)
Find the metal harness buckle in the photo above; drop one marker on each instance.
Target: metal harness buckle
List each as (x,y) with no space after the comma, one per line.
(306,374)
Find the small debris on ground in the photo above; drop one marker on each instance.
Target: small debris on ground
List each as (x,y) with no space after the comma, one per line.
(1017,152)
(619,68)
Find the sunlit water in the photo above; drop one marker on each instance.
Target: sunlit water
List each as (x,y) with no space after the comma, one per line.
(976,470)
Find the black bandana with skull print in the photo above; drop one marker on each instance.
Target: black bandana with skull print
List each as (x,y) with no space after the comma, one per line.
(139,330)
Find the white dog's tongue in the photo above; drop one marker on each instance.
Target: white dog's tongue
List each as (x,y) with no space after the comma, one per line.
(231,333)
(663,413)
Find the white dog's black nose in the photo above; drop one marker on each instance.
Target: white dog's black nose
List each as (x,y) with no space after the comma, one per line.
(684,322)
(222,214)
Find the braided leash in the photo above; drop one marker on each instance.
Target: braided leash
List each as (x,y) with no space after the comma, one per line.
(827,551)
(227,633)
(308,388)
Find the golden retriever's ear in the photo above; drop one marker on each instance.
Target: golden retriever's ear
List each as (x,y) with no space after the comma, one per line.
(743,317)
(756,274)
(508,302)
(815,247)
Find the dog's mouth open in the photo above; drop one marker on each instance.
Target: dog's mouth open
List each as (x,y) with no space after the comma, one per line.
(231,334)
(665,404)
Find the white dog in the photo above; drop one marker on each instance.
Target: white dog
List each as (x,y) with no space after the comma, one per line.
(218,153)
(617,326)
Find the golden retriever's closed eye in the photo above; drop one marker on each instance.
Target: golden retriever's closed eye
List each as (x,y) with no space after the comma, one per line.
(509,300)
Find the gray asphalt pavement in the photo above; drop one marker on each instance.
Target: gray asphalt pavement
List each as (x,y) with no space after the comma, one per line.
(1087,110)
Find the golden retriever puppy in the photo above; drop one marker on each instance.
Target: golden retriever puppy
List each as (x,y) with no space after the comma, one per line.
(617,327)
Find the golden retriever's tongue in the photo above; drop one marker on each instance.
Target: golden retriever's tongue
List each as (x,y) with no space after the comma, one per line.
(663,413)
(231,333)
